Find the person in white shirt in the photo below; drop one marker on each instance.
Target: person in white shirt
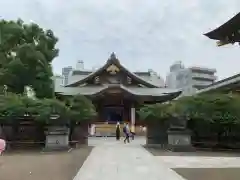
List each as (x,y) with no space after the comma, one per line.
(126,131)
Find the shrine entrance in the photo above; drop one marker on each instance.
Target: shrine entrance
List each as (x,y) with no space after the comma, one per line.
(112,109)
(113,114)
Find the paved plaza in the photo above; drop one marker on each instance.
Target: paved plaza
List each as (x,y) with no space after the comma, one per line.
(199,162)
(111,159)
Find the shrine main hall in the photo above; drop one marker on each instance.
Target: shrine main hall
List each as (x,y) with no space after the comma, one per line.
(115,91)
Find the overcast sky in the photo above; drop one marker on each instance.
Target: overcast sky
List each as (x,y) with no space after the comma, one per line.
(144,34)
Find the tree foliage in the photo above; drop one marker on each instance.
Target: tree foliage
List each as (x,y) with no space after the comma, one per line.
(14,107)
(154,111)
(81,108)
(11,106)
(26,54)
(215,116)
(211,117)
(214,108)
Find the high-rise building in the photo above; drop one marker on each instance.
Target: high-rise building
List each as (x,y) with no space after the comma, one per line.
(58,81)
(65,73)
(190,79)
(80,65)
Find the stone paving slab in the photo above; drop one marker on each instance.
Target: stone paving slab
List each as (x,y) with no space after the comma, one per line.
(199,161)
(118,161)
(96,141)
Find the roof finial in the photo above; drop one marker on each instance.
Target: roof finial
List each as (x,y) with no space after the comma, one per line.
(113,59)
(113,56)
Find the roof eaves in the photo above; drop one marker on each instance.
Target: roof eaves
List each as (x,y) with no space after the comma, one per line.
(221,83)
(223,30)
(109,62)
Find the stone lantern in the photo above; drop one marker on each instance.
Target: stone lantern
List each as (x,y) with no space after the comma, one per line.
(57,136)
(179,137)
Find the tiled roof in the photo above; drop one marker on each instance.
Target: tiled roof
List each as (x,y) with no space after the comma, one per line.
(146,76)
(138,91)
(222,83)
(227,29)
(115,61)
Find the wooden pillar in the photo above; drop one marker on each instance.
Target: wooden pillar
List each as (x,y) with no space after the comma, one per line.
(133,116)
(99,109)
(126,112)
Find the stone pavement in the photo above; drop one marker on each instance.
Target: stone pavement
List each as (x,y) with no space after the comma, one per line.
(111,160)
(199,162)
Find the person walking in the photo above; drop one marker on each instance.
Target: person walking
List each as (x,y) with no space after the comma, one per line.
(118,131)
(126,132)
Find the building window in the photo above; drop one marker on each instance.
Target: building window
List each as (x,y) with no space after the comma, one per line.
(97,80)
(65,80)
(129,80)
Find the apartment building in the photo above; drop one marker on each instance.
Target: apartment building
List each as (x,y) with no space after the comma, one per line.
(190,79)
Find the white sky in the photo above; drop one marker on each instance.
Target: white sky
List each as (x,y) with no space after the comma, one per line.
(143,34)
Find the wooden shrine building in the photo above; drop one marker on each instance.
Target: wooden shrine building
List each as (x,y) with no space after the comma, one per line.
(116,92)
(227,33)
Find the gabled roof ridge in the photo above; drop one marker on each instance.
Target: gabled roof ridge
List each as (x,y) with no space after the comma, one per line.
(115,61)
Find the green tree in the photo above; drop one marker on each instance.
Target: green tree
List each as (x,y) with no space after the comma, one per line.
(214,107)
(26,54)
(188,107)
(13,107)
(51,111)
(81,108)
(156,117)
(154,111)
(215,113)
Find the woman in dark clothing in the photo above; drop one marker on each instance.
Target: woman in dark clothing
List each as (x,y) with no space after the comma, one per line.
(118,130)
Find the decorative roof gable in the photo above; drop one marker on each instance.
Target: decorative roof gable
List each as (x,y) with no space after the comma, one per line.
(112,66)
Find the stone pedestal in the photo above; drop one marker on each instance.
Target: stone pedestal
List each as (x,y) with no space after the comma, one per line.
(179,140)
(80,134)
(156,135)
(57,138)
